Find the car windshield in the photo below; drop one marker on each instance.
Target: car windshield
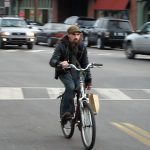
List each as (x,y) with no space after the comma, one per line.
(86,23)
(13,23)
(52,26)
(113,24)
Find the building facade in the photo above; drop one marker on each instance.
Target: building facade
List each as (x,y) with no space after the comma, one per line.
(137,11)
(143,12)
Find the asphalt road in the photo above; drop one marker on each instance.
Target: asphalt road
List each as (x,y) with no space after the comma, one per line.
(29,108)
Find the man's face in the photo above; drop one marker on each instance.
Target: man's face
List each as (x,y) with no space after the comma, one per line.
(74,37)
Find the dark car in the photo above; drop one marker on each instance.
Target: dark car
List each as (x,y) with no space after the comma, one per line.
(83,22)
(108,32)
(51,33)
(14,31)
(138,42)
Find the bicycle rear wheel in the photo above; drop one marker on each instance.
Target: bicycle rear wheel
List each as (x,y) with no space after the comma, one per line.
(67,127)
(88,126)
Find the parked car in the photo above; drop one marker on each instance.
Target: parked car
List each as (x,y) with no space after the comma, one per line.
(138,42)
(51,33)
(35,26)
(14,31)
(83,22)
(108,32)
(32,22)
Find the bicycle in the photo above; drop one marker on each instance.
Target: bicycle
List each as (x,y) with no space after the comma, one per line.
(84,117)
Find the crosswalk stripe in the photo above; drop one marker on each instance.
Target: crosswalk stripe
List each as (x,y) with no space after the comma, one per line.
(147,90)
(11,93)
(113,94)
(52,93)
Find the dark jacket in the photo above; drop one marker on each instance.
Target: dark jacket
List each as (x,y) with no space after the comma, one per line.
(61,53)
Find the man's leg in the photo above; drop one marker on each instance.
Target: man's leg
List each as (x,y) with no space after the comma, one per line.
(68,104)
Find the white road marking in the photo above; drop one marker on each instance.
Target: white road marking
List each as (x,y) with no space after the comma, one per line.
(113,94)
(49,51)
(17,93)
(146,90)
(104,54)
(54,92)
(11,93)
(10,50)
(34,51)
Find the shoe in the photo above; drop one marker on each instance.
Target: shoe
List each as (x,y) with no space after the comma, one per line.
(65,117)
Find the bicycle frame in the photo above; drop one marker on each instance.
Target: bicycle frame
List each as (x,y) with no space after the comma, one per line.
(82,88)
(83,117)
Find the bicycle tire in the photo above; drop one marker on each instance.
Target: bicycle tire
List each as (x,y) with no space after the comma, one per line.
(68,127)
(88,126)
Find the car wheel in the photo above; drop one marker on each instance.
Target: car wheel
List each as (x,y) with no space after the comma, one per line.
(112,46)
(49,42)
(1,44)
(30,45)
(100,44)
(129,51)
(86,41)
(36,41)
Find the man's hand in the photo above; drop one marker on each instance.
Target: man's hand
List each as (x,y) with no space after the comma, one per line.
(88,86)
(64,64)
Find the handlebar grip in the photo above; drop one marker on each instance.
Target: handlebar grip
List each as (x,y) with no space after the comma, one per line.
(98,65)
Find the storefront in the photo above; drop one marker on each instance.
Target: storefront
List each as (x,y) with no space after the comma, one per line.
(112,8)
(38,10)
(66,8)
(143,11)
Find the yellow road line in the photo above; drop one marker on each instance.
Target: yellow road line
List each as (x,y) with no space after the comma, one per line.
(138,130)
(140,138)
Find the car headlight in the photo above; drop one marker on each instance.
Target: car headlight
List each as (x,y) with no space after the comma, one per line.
(30,34)
(5,33)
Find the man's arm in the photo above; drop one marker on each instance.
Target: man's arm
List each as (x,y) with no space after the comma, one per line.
(55,59)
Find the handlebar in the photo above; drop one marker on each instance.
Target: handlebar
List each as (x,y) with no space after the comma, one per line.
(90,65)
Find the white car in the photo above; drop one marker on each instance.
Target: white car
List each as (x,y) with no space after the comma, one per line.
(138,42)
(14,31)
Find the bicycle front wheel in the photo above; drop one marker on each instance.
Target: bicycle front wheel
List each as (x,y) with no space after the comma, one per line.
(88,126)
(67,127)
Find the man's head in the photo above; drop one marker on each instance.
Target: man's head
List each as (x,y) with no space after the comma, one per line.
(74,34)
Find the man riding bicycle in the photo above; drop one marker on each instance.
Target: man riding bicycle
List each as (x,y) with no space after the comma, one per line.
(70,50)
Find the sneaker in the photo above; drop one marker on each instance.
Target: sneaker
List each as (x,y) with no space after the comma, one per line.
(67,115)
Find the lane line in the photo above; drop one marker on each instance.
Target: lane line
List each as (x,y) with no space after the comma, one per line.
(34,51)
(138,130)
(140,138)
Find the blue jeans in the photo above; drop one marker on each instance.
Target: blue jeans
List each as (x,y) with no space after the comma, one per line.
(71,81)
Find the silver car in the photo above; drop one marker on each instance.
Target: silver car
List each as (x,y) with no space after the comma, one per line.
(14,31)
(138,42)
